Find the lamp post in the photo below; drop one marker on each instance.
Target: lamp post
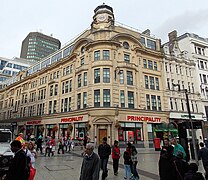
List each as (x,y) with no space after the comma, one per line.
(191,122)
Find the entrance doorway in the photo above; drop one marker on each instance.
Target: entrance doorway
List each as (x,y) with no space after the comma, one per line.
(102,134)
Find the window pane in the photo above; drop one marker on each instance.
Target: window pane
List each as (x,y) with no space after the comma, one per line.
(97,75)
(106,97)
(106,54)
(106,75)
(97,55)
(130,99)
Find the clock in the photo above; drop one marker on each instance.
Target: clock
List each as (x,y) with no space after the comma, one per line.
(101,17)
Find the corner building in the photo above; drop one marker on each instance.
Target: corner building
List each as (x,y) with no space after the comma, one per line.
(107,82)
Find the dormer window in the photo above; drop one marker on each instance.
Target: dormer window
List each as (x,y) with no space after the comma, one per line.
(126,45)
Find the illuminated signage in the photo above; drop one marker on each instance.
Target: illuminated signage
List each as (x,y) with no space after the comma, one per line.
(33,122)
(72,119)
(143,118)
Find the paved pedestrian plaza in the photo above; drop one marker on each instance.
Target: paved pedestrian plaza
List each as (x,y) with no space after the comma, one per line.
(67,166)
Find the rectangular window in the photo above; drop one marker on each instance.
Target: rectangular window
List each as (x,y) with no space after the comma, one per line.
(85,79)
(151,44)
(145,63)
(127,58)
(157,83)
(106,97)
(106,75)
(79,80)
(152,83)
(65,104)
(84,99)
(96,98)
(69,104)
(155,65)
(56,90)
(171,103)
(50,107)
(121,75)
(129,78)
(63,87)
(97,76)
(67,87)
(70,86)
(106,55)
(182,105)
(82,61)
(122,98)
(159,103)
(150,66)
(148,101)
(51,90)
(146,79)
(130,99)
(54,106)
(62,105)
(79,101)
(97,55)
(154,103)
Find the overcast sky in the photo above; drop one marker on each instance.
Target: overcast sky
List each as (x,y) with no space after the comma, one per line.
(66,19)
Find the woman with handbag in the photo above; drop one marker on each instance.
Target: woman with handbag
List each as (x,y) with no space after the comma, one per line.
(33,153)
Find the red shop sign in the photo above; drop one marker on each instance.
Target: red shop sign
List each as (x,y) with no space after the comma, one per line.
(71,119)
(143,118)
(33,122)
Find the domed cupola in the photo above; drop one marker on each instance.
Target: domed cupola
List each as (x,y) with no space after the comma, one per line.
(103,17)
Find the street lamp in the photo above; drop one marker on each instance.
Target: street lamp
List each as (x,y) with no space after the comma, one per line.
(190,120)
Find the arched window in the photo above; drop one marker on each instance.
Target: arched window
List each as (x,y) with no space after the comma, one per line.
(126,45)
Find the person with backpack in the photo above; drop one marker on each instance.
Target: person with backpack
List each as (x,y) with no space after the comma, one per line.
(115,157)
(18,169)
(127,164)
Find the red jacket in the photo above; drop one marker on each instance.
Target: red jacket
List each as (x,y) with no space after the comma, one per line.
(115,152)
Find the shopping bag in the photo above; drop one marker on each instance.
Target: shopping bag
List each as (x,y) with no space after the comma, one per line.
(32,173)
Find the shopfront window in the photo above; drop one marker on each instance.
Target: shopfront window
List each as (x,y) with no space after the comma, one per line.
(79,130)
(131,132)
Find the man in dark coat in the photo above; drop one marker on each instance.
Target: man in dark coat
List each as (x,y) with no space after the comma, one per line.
(104,151)
(18,167)
(90,165)
(166,165)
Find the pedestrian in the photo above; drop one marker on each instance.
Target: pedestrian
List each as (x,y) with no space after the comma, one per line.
(51,148)
(127,163)
(47,140)
(20,138)
(134,162)
(90,165)
(61,145)
(39,144)
(203,155)
(33,156)
(166,165)
(166,144)
(115,157)
(178,148)
(69,143)
(104,151)
(181,166)
(192,174)
(17,169)
(85,141)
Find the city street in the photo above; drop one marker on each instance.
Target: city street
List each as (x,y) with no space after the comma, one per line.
(67,166)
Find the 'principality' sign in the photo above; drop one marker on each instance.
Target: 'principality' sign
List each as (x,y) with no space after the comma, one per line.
(144,118)
(33,122)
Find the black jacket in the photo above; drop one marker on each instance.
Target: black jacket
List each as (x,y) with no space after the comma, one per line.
(193,176)
(104,151)
(17,169)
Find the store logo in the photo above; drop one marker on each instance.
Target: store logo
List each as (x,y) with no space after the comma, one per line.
(71,119)
(143,118)
(34,122)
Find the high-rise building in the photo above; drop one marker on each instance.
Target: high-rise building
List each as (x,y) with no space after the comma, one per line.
(36,46)
(10,67)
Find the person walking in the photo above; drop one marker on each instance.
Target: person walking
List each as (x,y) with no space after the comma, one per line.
(33,156)
(134,162)
(203,155)
(17,169)
(61,145)
(104,151)
(178,148)
(115,157)
(51,149)
(127,164)
(90,165)
(20,138)
(39,144)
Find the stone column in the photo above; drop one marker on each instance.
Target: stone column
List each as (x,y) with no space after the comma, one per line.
(145,132)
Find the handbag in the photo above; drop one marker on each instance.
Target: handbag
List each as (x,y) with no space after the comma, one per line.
(32,173)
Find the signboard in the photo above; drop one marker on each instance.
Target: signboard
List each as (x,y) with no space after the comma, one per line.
(73,119)
(33,122)
(152,119)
